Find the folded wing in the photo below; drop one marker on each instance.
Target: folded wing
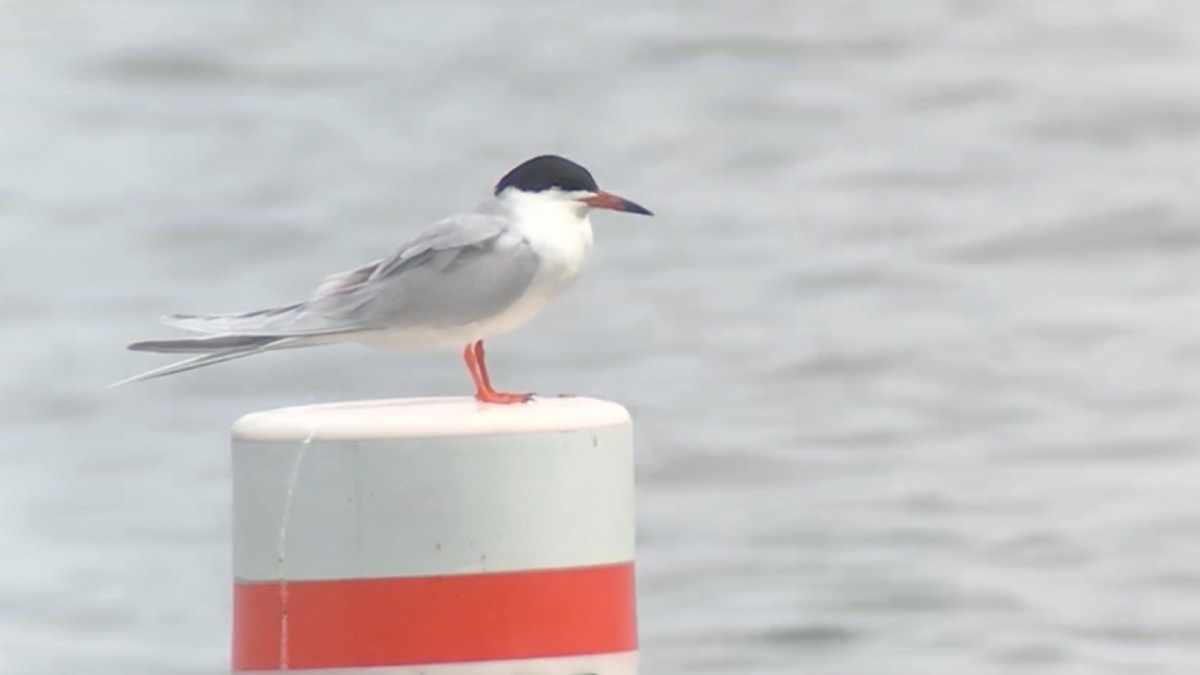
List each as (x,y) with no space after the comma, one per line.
(464,269)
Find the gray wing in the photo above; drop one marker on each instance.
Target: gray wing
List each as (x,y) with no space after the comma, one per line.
(464,269)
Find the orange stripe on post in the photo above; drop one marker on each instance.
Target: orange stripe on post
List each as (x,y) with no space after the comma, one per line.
(426,620)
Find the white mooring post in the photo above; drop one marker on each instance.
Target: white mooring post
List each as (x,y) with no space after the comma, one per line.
(435,537)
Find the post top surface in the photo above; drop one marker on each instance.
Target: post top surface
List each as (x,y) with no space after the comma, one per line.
(424,418)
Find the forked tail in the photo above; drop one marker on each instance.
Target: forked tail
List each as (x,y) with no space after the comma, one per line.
(212,350)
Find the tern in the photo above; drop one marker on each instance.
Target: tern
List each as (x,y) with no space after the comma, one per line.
(468,277)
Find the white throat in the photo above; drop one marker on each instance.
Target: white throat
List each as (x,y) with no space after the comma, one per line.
(550,219)
(557,228)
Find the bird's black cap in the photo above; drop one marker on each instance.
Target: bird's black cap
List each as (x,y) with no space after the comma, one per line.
(546,172)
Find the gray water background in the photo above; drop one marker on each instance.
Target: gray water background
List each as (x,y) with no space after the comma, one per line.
(913,345)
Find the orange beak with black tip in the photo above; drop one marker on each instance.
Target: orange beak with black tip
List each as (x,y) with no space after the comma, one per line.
(607,200)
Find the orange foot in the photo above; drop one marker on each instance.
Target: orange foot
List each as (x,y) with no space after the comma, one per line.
(502,398)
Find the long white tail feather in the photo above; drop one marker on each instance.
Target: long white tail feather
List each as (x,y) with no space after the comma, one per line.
(210,359)
(205,345)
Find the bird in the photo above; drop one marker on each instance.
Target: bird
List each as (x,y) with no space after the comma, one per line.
(466,278)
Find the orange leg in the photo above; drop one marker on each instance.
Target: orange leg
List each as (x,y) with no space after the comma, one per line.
(473,368)
(473,355)
(482,364)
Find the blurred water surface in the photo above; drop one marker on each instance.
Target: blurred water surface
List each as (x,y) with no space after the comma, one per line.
(912,346)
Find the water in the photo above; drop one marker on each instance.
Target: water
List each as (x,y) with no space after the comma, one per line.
(912,346)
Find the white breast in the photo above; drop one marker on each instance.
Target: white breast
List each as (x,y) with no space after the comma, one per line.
(562,248)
